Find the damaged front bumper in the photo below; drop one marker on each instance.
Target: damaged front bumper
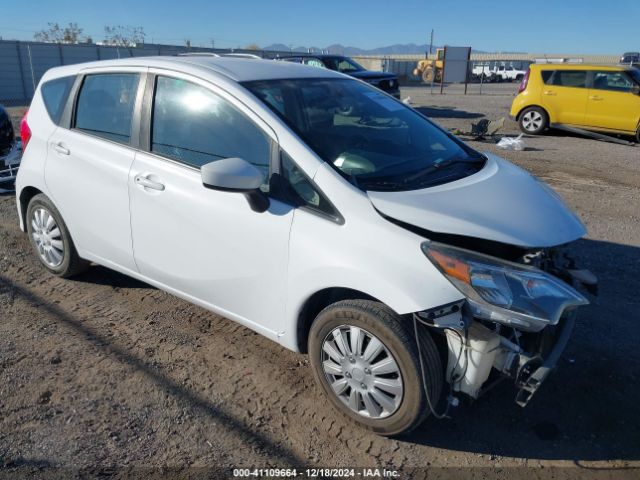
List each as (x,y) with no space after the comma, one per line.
(529,377)
(476,350)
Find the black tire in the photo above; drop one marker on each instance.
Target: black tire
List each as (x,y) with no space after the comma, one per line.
(71,264)
(638,135)
(533,120)
(397,336)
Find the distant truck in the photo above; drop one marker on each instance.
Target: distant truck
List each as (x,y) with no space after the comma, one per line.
(630,58)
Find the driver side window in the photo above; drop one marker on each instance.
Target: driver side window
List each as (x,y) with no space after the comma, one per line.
(192,125)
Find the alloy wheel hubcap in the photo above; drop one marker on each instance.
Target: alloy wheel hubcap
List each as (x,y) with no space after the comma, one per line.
(47,237)
(362,372)
(532,121)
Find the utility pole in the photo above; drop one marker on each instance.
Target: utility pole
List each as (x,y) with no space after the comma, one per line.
(431,42)
(213,44)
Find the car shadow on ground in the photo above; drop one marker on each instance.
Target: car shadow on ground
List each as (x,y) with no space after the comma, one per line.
(99,275)
(100,339)
(557,133)
(447,112)
(588,409)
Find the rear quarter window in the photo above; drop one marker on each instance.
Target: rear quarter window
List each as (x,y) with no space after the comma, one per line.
(55,94)
(546,76)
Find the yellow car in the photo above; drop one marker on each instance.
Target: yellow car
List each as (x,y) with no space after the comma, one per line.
(600,98)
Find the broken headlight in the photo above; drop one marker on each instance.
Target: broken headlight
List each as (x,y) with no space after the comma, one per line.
(517,295)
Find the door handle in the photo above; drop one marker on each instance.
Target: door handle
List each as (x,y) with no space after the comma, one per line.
(145,182)
(551,93)
(61,149)
(595,98)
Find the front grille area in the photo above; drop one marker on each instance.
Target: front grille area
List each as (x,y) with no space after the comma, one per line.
(388,85)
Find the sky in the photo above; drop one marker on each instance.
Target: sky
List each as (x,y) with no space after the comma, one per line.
(540,26)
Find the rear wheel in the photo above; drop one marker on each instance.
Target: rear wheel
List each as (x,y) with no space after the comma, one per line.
(366,361)
(533,120)
(638,135)
(50,238)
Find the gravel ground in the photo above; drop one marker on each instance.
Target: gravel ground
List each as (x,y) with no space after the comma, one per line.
(103,375)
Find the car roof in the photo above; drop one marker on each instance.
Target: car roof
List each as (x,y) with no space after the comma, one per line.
(235,68)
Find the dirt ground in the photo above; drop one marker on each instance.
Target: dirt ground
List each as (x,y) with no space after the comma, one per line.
(105,376)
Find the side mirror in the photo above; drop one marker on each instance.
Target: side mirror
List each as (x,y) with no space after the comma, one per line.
(236,175)
(636,90)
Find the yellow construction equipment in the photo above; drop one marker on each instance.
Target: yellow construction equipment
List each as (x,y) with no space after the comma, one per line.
(431,70)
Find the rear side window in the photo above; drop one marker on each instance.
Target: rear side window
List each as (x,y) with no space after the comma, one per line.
(195,126)
(55,94)
(546,76)
(567,78)
(105,105)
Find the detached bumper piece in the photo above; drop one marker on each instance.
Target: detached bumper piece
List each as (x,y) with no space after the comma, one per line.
(529,378)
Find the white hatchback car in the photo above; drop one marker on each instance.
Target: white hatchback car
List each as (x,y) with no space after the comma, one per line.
(314,209)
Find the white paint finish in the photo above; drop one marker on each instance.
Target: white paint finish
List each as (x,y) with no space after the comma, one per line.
(367,253)
(89,187)
(208,244)
(502,202)
(32,166)
(210,248)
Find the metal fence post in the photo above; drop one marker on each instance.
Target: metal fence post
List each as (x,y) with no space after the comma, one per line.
(33,77)
(21,67)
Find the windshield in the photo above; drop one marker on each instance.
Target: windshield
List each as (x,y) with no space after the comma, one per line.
(635,74)
(371,138)
(342,64)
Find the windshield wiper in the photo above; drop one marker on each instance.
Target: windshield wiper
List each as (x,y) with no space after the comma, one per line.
(437,166)
(383,184)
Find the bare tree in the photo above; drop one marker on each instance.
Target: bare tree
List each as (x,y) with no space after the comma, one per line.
(123,35)
(54,33)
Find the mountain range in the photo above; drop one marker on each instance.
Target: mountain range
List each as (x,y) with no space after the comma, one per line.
(339,49)
(397,49)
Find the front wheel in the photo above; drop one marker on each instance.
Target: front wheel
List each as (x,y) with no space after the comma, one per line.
(533,120)
(366,360)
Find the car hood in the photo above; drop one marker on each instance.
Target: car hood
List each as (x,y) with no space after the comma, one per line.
(368,75)
(501,202)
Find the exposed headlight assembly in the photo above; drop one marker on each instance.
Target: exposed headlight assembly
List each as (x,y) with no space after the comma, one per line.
(517,295)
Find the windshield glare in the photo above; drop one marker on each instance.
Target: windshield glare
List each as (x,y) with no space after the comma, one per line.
(371,138)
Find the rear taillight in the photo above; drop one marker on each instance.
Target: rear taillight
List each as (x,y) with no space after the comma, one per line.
(25,131)
(525,81)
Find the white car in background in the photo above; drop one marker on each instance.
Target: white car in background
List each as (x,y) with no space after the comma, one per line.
(498,73)
(314,209)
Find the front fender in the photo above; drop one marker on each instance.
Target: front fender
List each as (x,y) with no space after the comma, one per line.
(369,255)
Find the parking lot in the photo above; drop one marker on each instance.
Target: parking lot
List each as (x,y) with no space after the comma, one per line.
(104,372)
